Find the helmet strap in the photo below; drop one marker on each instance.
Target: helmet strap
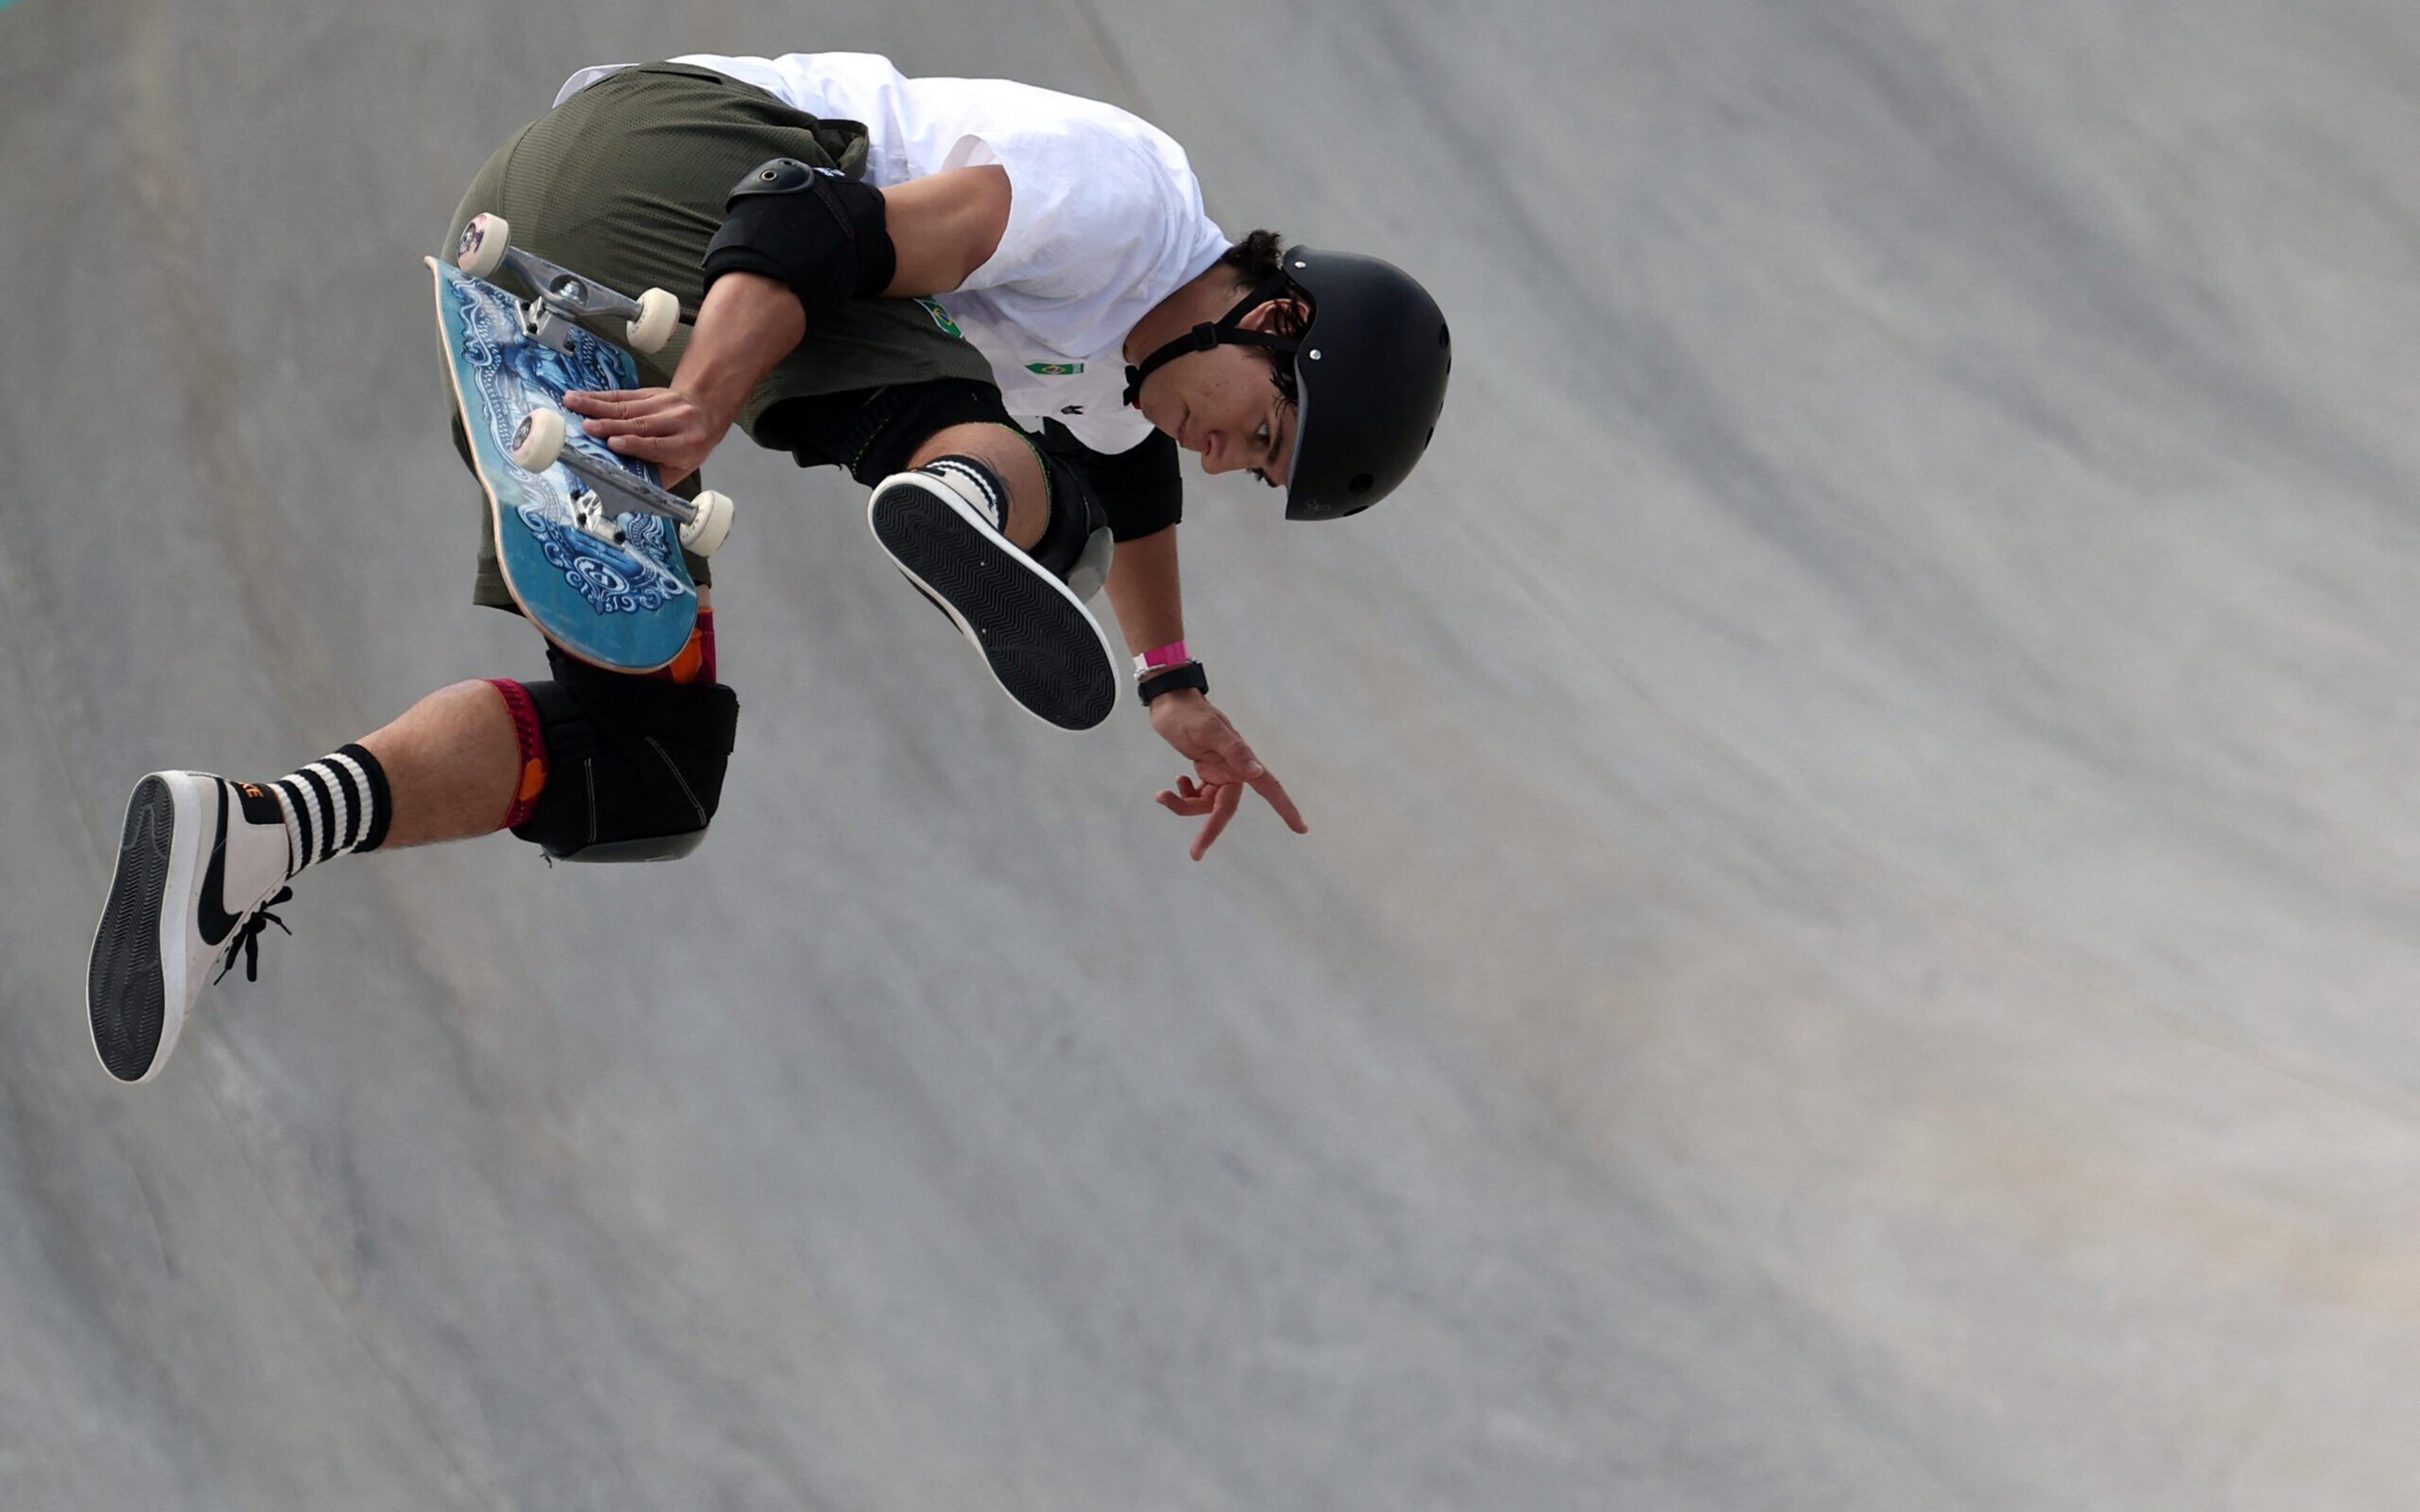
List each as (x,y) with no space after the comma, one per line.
(1222,331)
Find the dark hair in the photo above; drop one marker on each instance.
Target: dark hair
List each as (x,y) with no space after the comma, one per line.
(1255,257)
(1252,260)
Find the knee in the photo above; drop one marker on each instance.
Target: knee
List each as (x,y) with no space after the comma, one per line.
(1012,461)
(1002,445)
(634,767)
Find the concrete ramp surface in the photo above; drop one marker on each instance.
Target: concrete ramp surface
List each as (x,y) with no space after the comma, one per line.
(1859,941)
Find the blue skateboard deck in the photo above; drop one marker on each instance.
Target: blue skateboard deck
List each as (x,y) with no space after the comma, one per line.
(626,607)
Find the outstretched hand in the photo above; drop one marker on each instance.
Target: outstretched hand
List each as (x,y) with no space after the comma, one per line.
(672,430)
(1225,766)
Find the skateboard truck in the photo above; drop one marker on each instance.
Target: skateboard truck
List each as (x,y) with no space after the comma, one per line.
(538,443)
(562,296)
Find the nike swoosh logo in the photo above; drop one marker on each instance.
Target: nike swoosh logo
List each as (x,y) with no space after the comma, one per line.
(216,922)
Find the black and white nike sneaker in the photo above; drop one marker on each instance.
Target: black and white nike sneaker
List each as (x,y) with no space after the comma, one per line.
(941,524)
(201,861)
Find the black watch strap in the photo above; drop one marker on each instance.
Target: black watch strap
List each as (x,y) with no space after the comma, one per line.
(1189,675)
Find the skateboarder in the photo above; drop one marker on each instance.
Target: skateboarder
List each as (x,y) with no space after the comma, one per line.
(884,270)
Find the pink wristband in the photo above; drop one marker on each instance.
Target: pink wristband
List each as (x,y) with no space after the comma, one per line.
(1170,655)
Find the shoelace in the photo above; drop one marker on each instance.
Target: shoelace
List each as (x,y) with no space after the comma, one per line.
(247,938)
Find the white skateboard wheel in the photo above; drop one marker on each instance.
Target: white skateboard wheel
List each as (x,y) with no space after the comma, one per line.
(539,441)
(706,533)
(659,313)
(482,249)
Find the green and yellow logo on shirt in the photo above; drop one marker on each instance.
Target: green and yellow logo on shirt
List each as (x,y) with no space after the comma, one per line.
(1055,369)
(942,318)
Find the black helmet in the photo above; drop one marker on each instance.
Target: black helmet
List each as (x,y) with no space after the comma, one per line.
(1370,373)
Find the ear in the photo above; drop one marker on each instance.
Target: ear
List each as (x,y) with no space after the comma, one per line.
(1275,314)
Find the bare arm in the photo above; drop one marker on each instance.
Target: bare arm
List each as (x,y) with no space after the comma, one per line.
(1145,591)
(944,226)
(747,323)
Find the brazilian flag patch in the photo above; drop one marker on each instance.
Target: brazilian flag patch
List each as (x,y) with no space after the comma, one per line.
(1055,369)
(942,318)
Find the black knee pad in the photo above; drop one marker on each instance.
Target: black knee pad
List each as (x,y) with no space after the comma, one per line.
(634,764)
(1076,542)
(1142,487)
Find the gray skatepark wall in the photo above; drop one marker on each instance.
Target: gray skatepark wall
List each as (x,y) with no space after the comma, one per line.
(1856,947)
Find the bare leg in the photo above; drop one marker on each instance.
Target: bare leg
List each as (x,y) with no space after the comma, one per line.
(452,765)
(1013,459)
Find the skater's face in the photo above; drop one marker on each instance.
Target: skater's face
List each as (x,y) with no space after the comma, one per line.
(1225,405)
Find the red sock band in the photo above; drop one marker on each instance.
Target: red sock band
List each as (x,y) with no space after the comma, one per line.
(533,743)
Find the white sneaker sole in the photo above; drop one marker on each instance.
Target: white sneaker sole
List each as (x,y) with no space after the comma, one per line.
(1041,643)
(136,992)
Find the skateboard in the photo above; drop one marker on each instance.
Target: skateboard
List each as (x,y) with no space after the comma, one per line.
(589,540)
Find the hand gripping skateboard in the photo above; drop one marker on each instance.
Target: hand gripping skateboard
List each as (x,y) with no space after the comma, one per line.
(589,540)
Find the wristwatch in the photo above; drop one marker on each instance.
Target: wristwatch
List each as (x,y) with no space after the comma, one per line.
(1189,675)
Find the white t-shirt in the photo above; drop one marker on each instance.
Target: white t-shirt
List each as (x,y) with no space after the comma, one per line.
(1105,218)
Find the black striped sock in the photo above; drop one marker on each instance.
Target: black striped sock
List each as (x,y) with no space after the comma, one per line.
(980,477)
(337,803)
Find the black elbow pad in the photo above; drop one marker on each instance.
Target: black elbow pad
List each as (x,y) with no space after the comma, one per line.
(817,230)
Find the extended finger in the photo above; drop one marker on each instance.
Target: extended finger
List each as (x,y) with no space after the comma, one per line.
(1268,787)
(1229,798)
